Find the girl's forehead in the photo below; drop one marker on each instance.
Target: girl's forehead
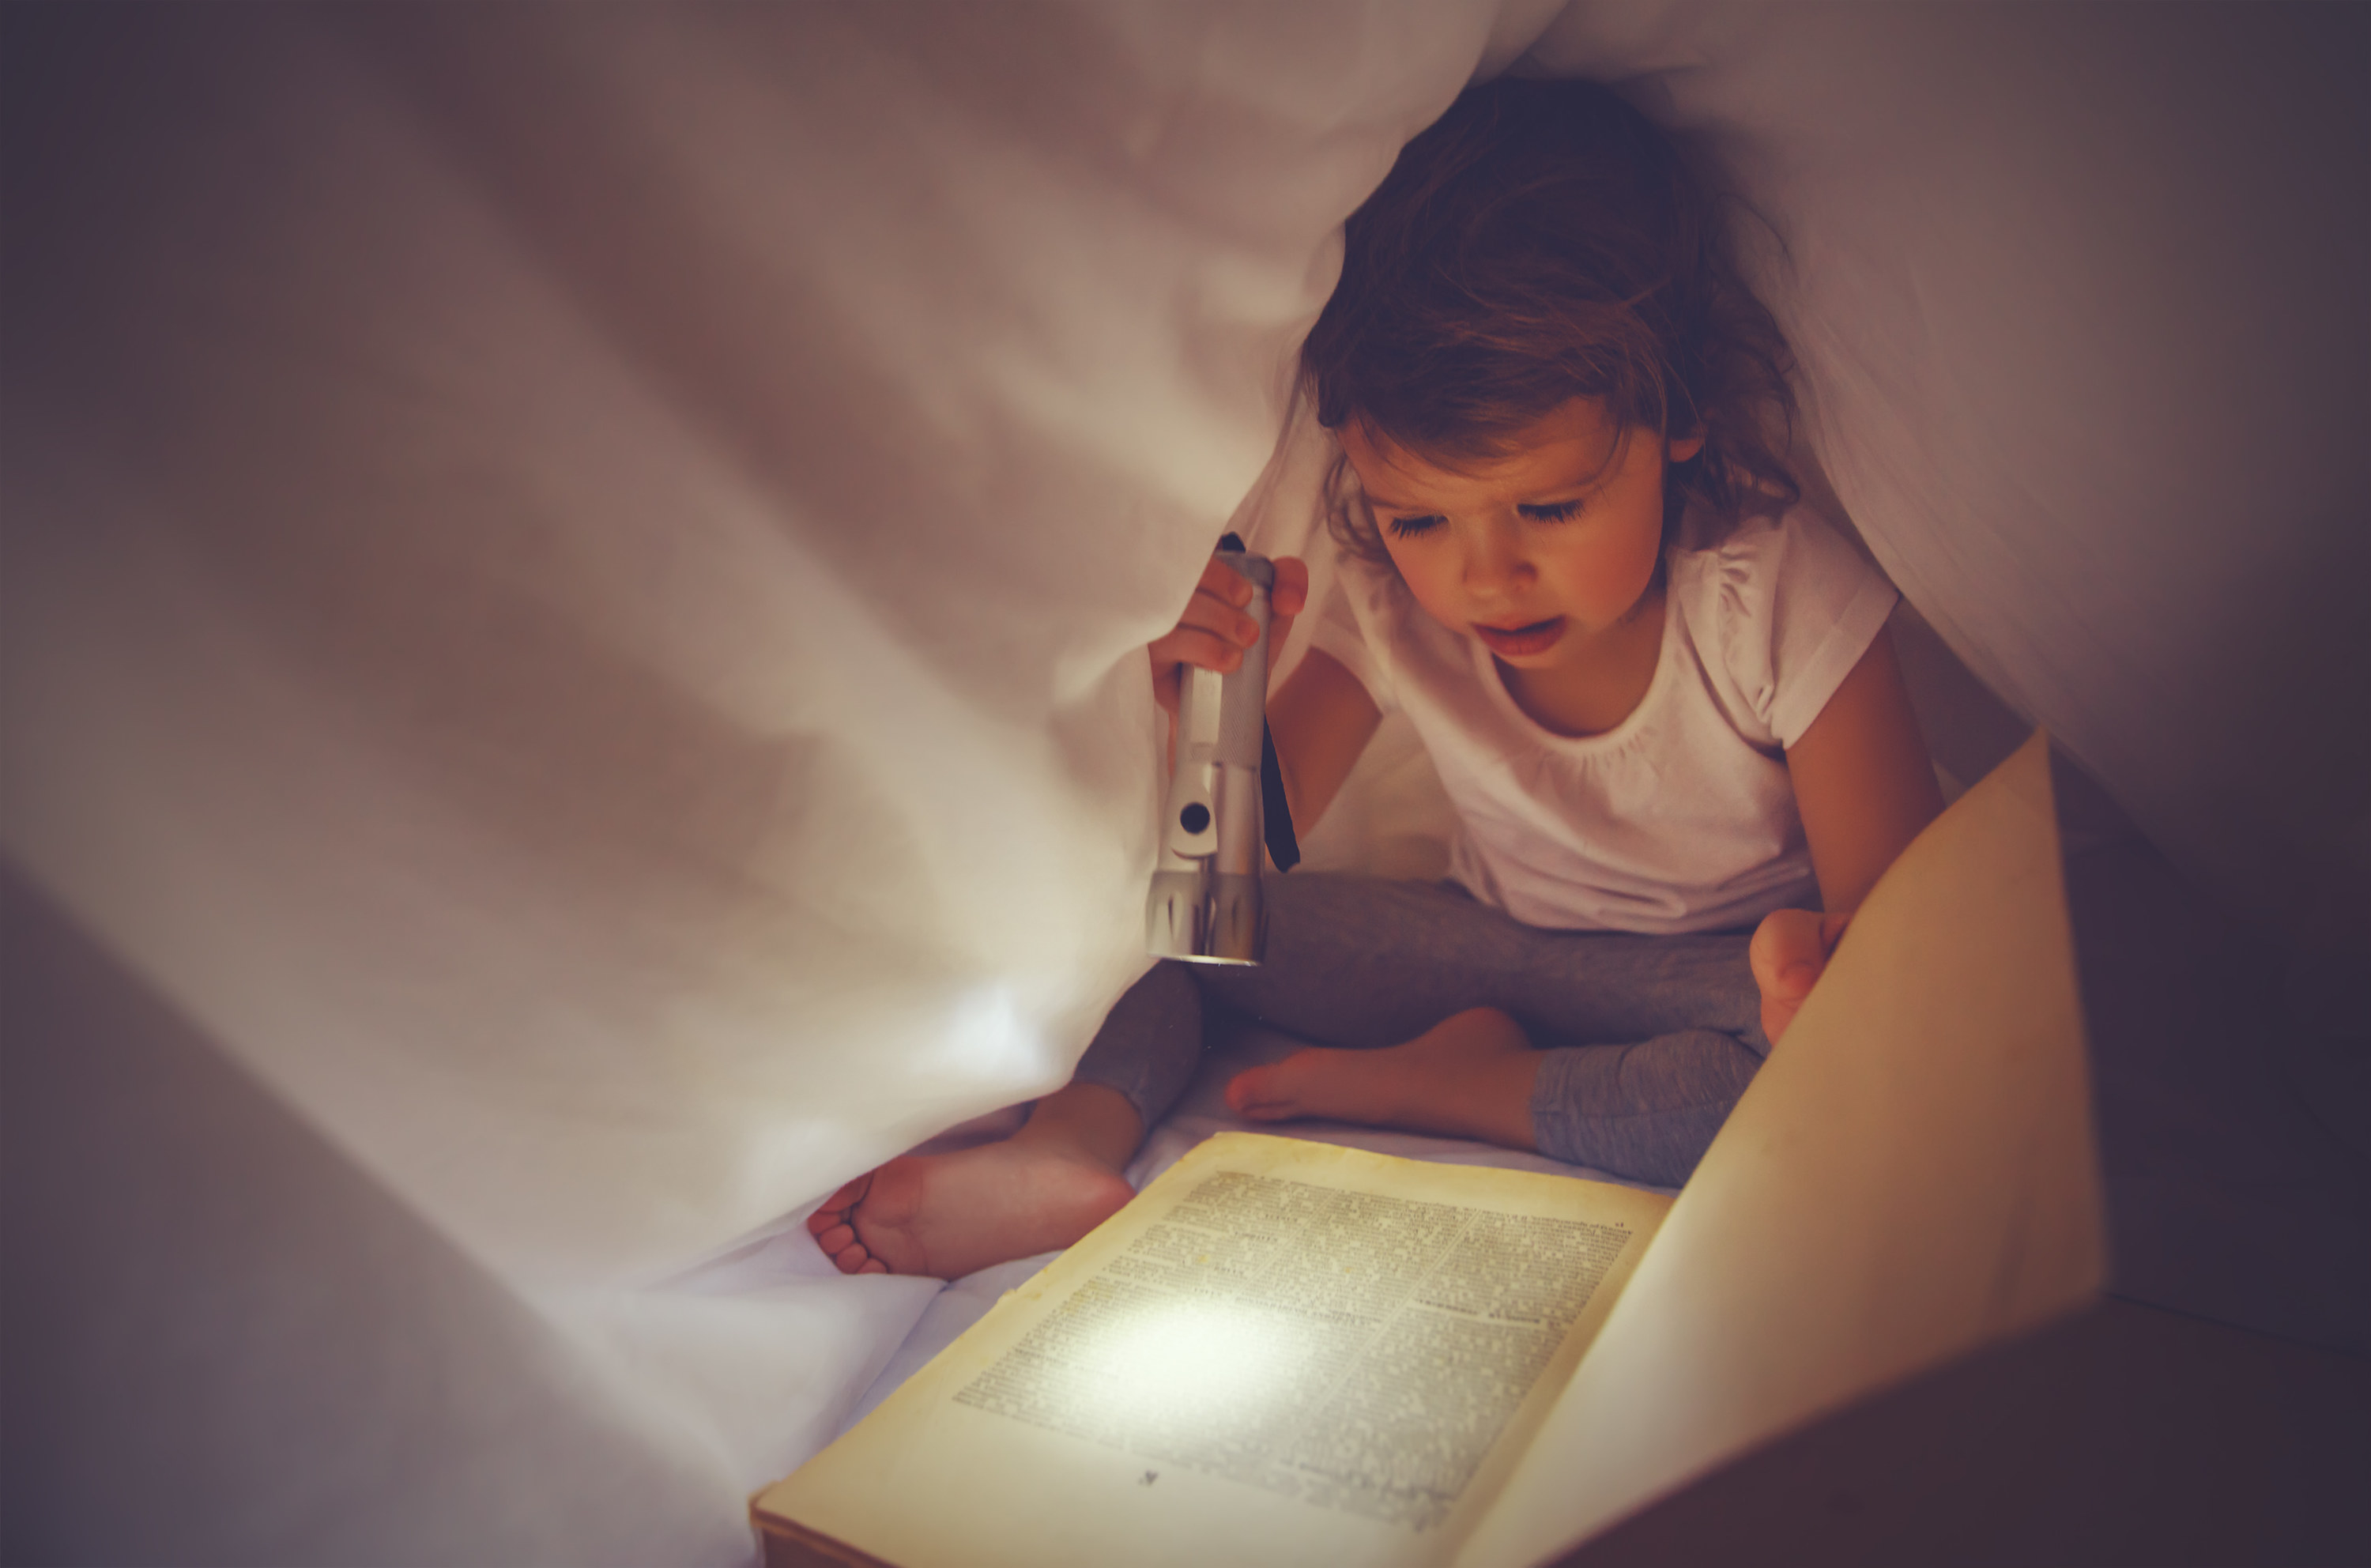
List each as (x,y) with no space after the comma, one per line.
(1568,449)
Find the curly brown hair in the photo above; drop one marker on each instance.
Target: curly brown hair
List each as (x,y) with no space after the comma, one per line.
(1541,241)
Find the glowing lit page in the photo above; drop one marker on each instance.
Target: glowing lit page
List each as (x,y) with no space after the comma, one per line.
(1281,1353)
(1910,1176)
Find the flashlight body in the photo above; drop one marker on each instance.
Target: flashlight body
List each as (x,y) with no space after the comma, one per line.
(1205,904)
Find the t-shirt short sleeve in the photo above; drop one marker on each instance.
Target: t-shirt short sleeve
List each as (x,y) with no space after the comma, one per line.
(1338,633)
(1796,607)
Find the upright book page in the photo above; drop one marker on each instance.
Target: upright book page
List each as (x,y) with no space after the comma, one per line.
(1910,1176)
(1281,1353)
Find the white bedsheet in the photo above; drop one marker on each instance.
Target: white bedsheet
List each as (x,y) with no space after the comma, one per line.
(574,575)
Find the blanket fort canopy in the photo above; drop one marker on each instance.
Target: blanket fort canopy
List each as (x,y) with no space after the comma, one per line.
(575,576)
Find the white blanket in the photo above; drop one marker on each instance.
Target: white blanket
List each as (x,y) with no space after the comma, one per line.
(575,578)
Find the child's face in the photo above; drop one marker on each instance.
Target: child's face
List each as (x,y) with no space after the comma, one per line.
(1537,553)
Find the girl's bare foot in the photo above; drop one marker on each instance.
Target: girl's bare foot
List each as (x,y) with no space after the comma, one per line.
(1469,1076)
(948,1215)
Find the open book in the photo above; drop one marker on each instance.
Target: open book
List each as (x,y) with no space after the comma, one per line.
(1289,1352)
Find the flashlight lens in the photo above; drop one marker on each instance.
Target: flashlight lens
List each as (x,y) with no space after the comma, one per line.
(1195,817)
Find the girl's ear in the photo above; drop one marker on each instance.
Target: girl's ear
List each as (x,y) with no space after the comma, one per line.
(1683,448)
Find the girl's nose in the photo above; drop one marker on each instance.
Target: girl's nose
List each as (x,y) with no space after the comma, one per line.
(1494,561)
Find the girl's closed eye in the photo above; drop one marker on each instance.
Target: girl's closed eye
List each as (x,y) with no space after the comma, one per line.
(1555,510)
(1409,527)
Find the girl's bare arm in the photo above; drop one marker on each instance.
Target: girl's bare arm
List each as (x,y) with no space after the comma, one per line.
(1863,780)
(1322,719)
(1865,787)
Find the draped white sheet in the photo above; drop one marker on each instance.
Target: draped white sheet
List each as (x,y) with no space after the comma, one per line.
(575,576)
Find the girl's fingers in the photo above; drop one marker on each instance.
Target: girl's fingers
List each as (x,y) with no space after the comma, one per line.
(1214,630)
(1219,599)
(1220,619)
(1211,620)
(1787,957)
(1785,941)
(1289,596)
(1191,645)
(1789,954)
(1223,581)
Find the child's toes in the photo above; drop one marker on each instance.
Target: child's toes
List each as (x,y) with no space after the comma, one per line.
(848,1197)
(1253,1093)
(1239,1092)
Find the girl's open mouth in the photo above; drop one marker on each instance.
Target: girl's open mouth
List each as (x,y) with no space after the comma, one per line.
(1515,642)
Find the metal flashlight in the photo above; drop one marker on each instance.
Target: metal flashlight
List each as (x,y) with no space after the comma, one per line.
(1205,904)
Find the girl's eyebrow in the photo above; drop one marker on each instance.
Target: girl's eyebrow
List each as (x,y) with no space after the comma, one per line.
(1554,495)
(1564,495)
(1580,489)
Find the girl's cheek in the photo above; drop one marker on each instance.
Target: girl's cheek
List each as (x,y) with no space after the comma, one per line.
(1436,596)
(1608,580)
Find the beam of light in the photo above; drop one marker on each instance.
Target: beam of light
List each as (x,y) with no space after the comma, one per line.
(987,1037)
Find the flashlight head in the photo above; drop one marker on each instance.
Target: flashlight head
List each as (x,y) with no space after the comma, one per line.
(1205,917)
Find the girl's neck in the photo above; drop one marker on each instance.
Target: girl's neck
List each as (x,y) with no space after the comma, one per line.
(1599,681)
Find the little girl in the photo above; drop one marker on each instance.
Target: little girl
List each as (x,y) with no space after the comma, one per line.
(1659,695)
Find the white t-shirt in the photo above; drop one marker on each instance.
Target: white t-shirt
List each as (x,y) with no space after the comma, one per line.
(1681,817)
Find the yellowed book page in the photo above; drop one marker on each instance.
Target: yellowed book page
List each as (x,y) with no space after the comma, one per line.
(1910,1176)
(1281,1353)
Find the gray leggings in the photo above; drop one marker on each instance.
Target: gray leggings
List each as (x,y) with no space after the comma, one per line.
(1646,1041)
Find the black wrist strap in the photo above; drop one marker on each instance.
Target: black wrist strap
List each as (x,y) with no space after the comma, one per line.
(1275,813)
